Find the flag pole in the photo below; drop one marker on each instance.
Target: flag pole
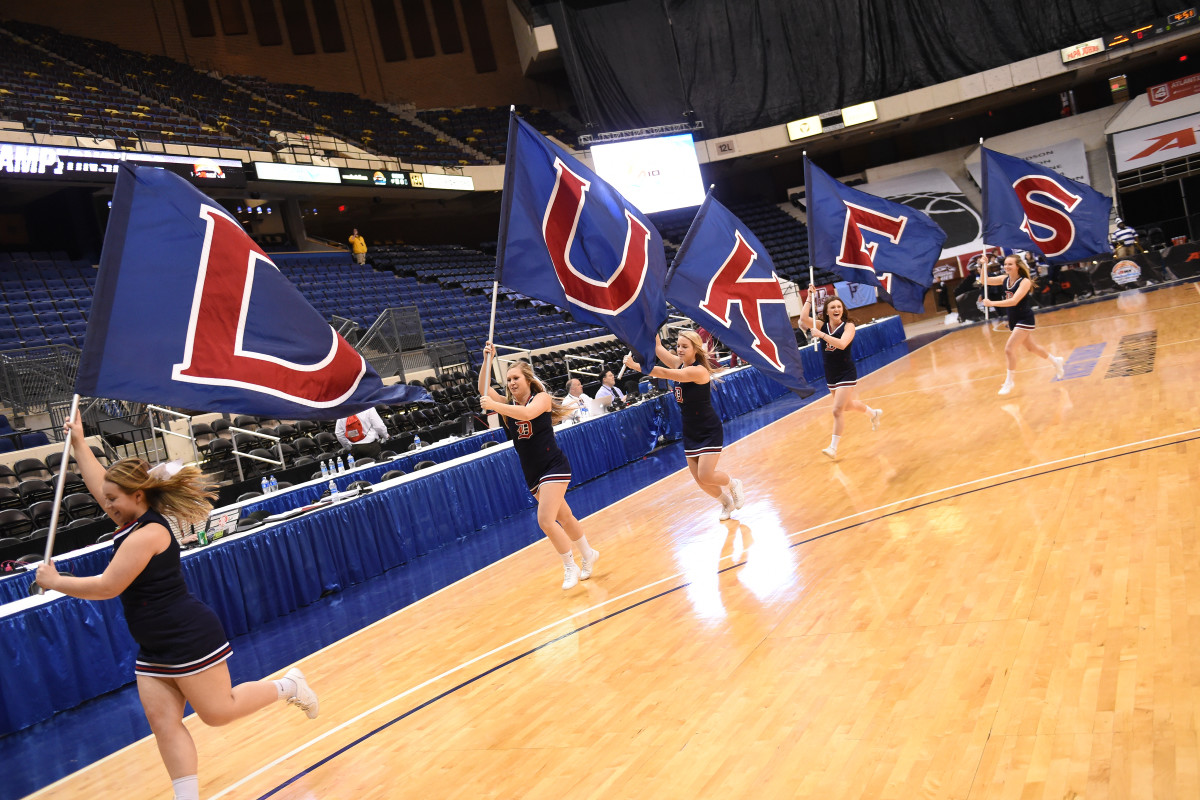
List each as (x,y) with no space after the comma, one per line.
(58,492)
(812,279)
(983,255)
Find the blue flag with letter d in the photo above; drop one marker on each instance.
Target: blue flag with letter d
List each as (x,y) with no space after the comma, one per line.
(190,312)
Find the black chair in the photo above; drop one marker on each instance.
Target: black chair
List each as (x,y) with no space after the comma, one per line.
(246,422)
(317,475)
(423,465)
(360,485)
(288,452)
(204,435)
(8,477)
(38,533)
(40,513)
(301,460)
(286,432)
(386,455)
(328,443)
(10,499)
(244,442)
(32,468)
(248,496)
(100,455)
(72,484)
(284,485)
(306,427)
(15,523)
(269,431)
(260,467)
(268,422)
(105,537)
(392,473)
(7,540)
(33,491)
(220,453)
(305,446)
(82,522)
(54,459)
(221,428)
(362,462)
(81,506)
(489,443)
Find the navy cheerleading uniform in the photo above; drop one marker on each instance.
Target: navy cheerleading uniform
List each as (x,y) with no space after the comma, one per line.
(1020,315)
(177,635)
(702,430)
(840,372)
(541,460)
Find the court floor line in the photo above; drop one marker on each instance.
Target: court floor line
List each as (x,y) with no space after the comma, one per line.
(957,490)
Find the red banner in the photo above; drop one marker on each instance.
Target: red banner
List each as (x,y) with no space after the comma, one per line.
(1174,90)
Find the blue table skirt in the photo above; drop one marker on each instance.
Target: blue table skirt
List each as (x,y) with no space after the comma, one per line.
(58,654)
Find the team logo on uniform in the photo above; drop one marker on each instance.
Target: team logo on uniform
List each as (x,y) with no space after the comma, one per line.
(678,394)
(524,429)
(566,204)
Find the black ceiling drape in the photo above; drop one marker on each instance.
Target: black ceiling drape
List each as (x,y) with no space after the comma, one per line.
(747,64)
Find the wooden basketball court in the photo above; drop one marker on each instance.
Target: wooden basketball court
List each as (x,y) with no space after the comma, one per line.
(990,597)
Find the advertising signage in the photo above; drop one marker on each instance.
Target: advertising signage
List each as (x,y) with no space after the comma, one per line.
(77,164)
(374,177)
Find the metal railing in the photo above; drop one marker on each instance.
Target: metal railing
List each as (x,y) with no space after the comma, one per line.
(34,378)
(164,432)
(238,455)
(395,343)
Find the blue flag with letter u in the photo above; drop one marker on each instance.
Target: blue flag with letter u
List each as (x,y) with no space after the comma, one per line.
(570,239)
(722,264)
(862,238)
(1030,207)
(190,312)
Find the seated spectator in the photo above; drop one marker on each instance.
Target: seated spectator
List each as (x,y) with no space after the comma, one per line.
(575,398)
(362,433)
(609,391)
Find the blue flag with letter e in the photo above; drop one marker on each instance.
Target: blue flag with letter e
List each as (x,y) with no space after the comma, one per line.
(723,278)
(1030,207)
(862,238)
(570,239)
(190,312)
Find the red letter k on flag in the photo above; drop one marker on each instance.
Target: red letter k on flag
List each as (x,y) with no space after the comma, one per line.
(215,354)
(729,286)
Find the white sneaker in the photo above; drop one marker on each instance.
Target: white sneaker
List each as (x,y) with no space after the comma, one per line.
(589,564)
(1058,367)
(305,698)
(875,415)
(735,491)
(570,575)
(1006,388)
(829,451)
(726,508)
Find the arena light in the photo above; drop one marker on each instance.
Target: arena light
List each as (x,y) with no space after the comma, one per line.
(803,128)
(856,115)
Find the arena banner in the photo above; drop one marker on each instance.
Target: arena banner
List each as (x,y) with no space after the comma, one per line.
(722,264)
(190,312)
(1029,207)
(935,194)
(569,238)
(1183,259)
(45,163)
(1066,158)
(1154,144)
(870,240)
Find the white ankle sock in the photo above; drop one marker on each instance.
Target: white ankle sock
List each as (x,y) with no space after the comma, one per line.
(870,410)
(833,443)
(584,547)
(567,558)
(1008,376)
(286,687)
(187,788)
(726,498)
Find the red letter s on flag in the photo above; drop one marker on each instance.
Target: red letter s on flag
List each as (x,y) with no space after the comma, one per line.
(214,352)
(1047,217)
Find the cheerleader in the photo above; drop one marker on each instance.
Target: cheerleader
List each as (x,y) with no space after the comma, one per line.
(182,647)
(529,413)
(703,436)
(1018,300)
(835,334)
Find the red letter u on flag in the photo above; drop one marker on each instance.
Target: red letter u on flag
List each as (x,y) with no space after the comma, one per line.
(558,229)
(214,353)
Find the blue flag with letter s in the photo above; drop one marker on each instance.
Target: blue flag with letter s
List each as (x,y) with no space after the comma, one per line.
(570,239)
(722,264)
(190,312)
(862,238)
(1030,207)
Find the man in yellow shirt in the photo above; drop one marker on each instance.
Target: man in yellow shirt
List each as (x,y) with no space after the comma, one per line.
(358,246)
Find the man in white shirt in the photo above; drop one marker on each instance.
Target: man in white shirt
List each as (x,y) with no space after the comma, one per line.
(609,390)
(575,398)
(362,433)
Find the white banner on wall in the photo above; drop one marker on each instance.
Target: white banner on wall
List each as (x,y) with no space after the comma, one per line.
(1068,159)
(1154,144)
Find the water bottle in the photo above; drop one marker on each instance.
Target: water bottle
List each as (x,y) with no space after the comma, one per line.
(324,471)
(341,466)
(202,534)
(332,488)
(266,485)
(274,485)
(350,461)
(417,441)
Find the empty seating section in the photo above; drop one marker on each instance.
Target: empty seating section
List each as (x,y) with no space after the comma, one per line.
(356,119)
(486,129)
(48,95)
(784,236)
(450,287)
(45,298)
